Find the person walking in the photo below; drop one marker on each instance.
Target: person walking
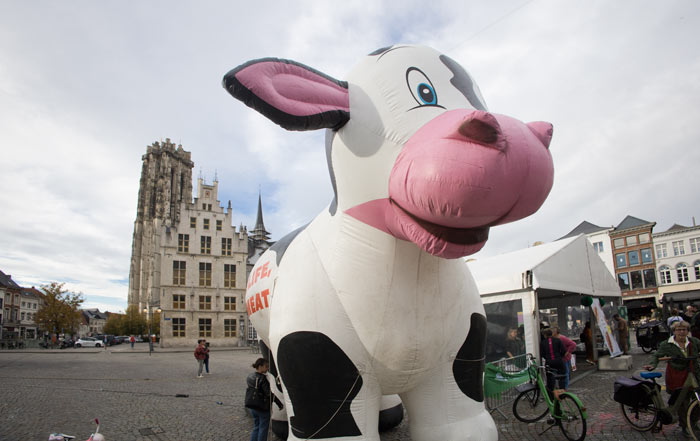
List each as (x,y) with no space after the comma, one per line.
(679,345)
(132,340)
(199,355)
(258,399)
(623,332)
(206,355)
(569,347)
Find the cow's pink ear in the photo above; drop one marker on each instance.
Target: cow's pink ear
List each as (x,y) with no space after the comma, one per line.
(290,94)
(543,131)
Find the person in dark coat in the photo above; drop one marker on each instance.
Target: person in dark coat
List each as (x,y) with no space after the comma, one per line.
(676,351)
(552,350)
(258,399)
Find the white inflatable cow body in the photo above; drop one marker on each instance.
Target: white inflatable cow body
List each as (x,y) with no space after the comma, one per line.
(370,298)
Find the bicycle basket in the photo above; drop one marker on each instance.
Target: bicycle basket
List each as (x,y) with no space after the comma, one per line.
(631,392)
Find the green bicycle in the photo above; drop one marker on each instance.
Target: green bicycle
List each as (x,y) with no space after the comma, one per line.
(536,400)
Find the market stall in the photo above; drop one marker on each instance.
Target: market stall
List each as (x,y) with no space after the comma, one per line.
(541,286)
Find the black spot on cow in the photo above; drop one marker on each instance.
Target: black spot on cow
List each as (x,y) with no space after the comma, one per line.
(321,383)
(280,247)
(463,82)
(468,367)
(380,51)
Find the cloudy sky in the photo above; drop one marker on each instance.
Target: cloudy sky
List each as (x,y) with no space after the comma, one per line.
(86,86)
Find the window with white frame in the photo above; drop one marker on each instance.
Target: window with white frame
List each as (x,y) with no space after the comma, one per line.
(631,240)
(697,269)
(619,242)
(598,246)
(682,272)
(665,275)
(644,238)
(678,248)
(661,250)
(695,245)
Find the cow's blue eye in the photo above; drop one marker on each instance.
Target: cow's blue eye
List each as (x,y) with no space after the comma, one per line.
(421,87)
(426,93)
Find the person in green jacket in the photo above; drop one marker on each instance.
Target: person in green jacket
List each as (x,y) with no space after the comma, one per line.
(680,344)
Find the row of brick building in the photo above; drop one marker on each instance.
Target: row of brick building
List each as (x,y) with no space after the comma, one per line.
(653,269)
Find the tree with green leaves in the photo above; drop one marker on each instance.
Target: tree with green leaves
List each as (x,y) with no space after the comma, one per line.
(115,324)
(60,312)
(134,321)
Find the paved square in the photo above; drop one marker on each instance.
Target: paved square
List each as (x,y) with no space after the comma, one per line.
(158,397)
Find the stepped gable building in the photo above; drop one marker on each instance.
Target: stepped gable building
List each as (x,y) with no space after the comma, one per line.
(635,267)
(188,261)
(678,263)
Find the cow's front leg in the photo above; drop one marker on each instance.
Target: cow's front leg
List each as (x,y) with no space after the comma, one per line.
(326,394)
(449,404)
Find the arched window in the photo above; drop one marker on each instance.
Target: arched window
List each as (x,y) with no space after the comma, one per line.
(682,272)
(697,269)
(665,275)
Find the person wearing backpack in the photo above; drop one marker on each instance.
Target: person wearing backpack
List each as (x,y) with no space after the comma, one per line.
(257,399)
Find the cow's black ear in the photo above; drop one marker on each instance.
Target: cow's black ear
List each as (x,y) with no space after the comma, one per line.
(290,94)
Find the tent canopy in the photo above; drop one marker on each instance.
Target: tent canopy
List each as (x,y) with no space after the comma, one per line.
(568,265)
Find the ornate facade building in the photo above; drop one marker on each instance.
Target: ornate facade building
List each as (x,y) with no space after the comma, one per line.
(188,261)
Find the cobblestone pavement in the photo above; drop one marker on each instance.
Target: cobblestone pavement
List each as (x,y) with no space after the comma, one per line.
(135,396)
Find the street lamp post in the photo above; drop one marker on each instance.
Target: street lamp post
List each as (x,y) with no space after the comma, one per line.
(147,310)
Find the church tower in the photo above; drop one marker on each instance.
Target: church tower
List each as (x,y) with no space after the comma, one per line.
(166,182)
(259,232)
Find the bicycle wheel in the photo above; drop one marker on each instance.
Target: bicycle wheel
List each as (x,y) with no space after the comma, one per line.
(640,418)
(692,418)
(530,406)
(570,418)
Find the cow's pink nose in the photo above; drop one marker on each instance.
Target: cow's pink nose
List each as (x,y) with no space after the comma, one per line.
(483,128)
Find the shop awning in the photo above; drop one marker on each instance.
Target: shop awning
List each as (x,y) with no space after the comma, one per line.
(682,296)
(647,302)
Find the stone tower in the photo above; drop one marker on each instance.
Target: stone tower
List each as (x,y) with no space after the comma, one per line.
(166,182)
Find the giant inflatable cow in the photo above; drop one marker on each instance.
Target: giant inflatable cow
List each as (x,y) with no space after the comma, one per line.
(371,298)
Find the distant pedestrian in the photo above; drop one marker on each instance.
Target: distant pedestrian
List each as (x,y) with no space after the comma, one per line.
(623,332)
(689,313)
(587,338)
(132,340)
(199,354)
(674,317)
(206,355)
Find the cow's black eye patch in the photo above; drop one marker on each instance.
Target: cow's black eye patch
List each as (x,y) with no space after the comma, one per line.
(463,82)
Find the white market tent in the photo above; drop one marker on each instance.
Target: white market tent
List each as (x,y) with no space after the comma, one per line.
(552,275)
